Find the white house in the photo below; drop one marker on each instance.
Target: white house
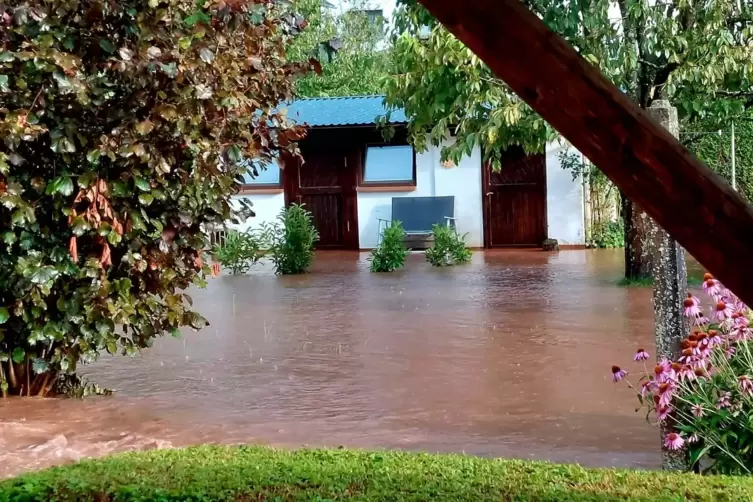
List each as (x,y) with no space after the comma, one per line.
(351,174)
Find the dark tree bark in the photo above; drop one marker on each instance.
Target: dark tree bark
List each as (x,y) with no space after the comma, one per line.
(635,266)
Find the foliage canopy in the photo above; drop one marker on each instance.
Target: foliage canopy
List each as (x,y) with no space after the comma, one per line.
(124,124)
(351,46)
(696,54)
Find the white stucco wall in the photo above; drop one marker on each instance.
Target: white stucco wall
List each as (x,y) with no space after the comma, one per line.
(564,199)
(462,181)
(266,207)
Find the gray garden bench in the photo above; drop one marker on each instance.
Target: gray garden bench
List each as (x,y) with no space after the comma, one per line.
(418,215)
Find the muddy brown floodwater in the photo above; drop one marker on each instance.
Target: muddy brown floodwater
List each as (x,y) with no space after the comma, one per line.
(509,356)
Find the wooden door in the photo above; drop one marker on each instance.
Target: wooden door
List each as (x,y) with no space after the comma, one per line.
(515,201)
(325,184)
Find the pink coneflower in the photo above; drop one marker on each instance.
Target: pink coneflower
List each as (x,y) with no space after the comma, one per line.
(730,352)
(741,321)
(663,412)
(686,373)
(641,355)
(746,385)
(711,286)
(722,310)
(700,320)
(724,400)
(694,439)
(666,391)
(713,338)
(697,410)
(673,441)
(691,306)
(703,352)
(648,387)
(618,374)
(703,339)
(663,371)
(740,334)
(688,356)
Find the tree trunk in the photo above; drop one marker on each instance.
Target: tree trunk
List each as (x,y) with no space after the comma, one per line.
(670,284)
(638,255)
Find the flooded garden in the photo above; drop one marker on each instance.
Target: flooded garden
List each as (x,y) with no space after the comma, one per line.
(507,356)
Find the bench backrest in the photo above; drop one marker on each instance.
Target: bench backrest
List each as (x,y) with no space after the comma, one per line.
(419,214)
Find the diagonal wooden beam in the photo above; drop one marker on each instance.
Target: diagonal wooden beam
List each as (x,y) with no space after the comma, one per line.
(695,205)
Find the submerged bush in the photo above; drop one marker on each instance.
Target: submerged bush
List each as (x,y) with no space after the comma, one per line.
(239,251)
(448,247)
(223,473)
(123,124)
(706,396)
(292,238)
(391,252)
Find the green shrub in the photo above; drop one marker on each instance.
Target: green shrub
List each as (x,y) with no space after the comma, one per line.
(448,248)
(292,238)
(609,235)
(115,118)
(391,252)
(222,473)
(240,250)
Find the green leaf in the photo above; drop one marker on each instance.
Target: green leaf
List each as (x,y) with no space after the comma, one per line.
(6,57)
(9,237)
(234,154)
(93,156)
(144,127)
(79,226)
(86,179)
(175,333)
(18,355)
(142,184)
(4,83)
(137,221)
(4,315)
(112,347)
(197,17)
(167,112)
(107,46)
(40,366)
(146,199)
(23,215)
(64,83)
(170,69)
(62,185)
(43,275)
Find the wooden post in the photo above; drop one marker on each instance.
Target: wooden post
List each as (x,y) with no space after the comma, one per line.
(670,285)
(696,206)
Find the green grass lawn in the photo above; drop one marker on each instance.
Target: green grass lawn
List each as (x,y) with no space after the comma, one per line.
(244,474)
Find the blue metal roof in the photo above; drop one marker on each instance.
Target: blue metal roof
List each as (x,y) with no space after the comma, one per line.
(342,111)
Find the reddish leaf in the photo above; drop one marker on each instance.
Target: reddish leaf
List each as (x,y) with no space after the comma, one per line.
(105,258)
(73,249)
(316,66)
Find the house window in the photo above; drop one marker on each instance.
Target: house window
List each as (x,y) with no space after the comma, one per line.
(268,177)
(389,165)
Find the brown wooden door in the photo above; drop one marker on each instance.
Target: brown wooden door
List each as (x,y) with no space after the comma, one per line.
(325,183)
(515,201)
